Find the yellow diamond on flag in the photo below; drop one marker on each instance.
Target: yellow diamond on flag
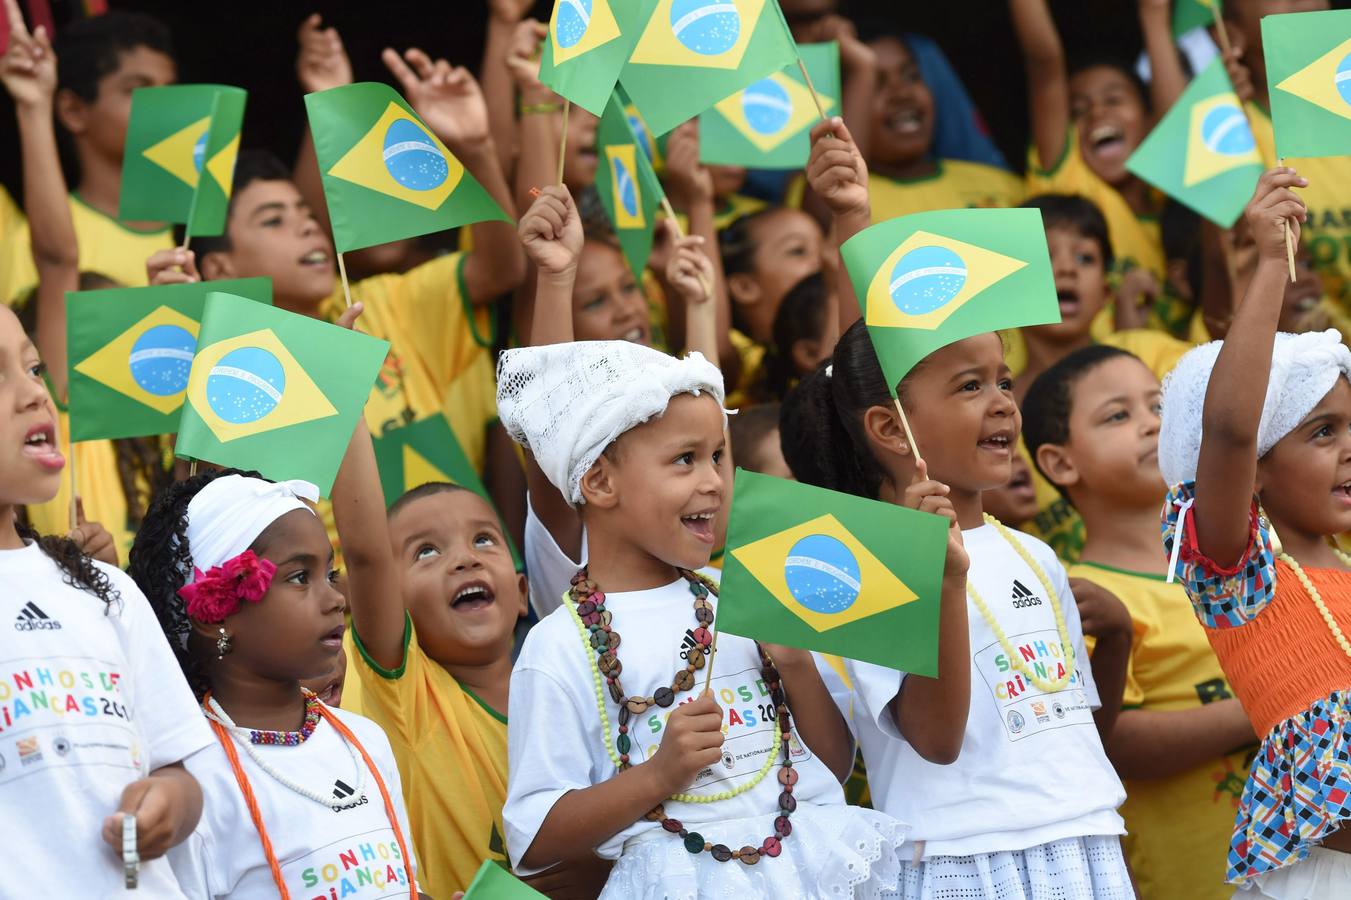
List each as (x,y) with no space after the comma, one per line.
(418,470)
(624,181)
(710,34)
(929,277)
(1218,139)
(822,574)
(222,165)
(251,384)
(580,26)
(1321,81)
(149,362)
(772,110)
(180,153)
(400,158)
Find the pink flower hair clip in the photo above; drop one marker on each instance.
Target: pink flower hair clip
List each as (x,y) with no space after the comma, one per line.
(219,591)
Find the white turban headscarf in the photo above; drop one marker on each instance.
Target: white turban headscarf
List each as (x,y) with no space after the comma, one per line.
(226,516)
(567,402)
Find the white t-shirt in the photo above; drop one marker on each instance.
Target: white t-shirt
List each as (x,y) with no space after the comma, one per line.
(82,715)
(349,853)
(1032,768)
(547,567)
(554,738)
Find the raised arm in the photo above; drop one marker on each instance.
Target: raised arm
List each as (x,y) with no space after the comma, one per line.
(498,90)
(838,175)
(690,274)
(858,70)
(1227,468)
(1167,79)
(1048,90)
(322,64)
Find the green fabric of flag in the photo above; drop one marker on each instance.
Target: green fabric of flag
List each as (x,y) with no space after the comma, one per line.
(1309,80)
(626,184)
(833,572)
(130,353)
(930,279)
(275,391)
(586,48)
(182,140)
(495,882)
(1203,153)
(386,175)
(653,145)
(692,53)
(767,124)
(1189,14)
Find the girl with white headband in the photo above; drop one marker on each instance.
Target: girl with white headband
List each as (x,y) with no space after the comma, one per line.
(301,800)
(1256,442)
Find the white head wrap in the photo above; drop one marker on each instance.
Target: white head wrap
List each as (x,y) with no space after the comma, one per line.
(227,515)
(567,402)
(1304,367)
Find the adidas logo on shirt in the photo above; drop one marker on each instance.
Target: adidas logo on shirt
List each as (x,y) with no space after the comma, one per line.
(341,791)
(32,618)
(1023,597)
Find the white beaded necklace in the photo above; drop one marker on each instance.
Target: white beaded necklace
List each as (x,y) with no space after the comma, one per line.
(240,735)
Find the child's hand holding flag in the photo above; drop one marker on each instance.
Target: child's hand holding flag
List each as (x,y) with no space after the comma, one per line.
(551,232)
(838,175)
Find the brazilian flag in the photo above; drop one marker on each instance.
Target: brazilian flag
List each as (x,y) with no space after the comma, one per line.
(275,391)
(1218,166)
(692,53)
(626,184)
(934,278)
(766,125)
(653,145)
(833,572)
(1308,58)
(386,175)
(130,353)
(1189,14)
(494,882)
(587,45)
(178,162)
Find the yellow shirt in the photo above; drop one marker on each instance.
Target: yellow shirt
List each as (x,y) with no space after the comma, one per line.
(1178,828)
(956,185)
(736,206)
(451,749)
(1056,522)
(106,246)
(752,355)
(1136,241)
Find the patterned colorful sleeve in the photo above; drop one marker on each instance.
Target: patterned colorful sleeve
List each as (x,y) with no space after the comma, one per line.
(1222,596)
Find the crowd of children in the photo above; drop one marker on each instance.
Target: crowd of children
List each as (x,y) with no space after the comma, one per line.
(220,685)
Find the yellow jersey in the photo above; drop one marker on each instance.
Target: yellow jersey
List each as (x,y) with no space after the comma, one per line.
(955,185)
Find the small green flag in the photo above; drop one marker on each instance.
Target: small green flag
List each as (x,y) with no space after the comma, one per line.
(1189,14)
(130,353)
(825,571)
(934,278)
(626,184)
(275,391)
(587,45)
(692,53)
(766,125)
(386,175)
(1308,57)
(175,134)
(493,882)
(1218,166)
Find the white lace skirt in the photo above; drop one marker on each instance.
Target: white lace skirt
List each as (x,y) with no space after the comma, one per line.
(1086,868)
(834,851)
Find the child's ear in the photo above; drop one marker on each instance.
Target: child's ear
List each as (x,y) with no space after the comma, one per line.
(1057,465)
(523,585)
(216,266)
(71,111)
(598,485)
(884,430)
(743,289)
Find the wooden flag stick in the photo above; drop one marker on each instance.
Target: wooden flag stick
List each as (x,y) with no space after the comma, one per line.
(712,655)
(192,468)
(909,435)
(1289,238)
(1221,33)
(74,488)
(346,288)
(802,67)
(680,235)
(563,141)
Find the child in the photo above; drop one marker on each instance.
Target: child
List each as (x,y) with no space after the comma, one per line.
(89,694)
(1269,414)
(1015,503)
(1182,742)
(998,820)
(754,435)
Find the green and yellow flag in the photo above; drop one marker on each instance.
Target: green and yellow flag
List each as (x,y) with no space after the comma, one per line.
(1189,14)
(275,391)
(626,184)
(1203,153)
(587,46)
(495,882)
(832,572)
(130,353)
(175,134)
(766,125)
(931,279)
(386,175)
(1308,57)
(692,53)
(654,146)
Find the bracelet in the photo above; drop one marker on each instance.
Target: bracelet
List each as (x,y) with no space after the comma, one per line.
(131,859)
(532,109)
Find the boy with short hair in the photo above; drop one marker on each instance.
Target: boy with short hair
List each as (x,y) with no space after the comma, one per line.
(754,434)
(1091,422)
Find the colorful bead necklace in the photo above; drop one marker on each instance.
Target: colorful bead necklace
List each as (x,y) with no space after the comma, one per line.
(593,626)
(291,738)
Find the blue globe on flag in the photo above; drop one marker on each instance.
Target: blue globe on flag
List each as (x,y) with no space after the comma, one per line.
(926,279)
(822,574)
(766,106)
(640,132)
(199,150)
(574,16)
(707,27)
(1225,130)
(412,158)
(245,385)
(161,359)
(626,192)
(1344,79)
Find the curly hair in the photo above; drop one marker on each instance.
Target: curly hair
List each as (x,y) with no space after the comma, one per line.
(77,569)
(161,560)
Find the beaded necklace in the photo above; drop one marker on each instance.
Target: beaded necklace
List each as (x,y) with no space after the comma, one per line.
(1014,657)
(592,619)
(1317,598)
(289,738)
